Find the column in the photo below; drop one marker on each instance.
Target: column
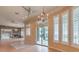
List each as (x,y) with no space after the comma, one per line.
(24,32)
(50,31)
(70,28)
(60,31)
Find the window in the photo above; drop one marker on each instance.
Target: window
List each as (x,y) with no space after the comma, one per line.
(76,25)
(22,33)
(56,32)
(28,30)
(6,34)
(65,27)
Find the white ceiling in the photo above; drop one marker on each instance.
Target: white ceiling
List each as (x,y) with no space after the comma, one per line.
(15,15)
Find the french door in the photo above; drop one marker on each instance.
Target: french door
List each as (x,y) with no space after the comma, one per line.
(42,35)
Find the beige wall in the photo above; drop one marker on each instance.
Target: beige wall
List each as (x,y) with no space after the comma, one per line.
(32,38)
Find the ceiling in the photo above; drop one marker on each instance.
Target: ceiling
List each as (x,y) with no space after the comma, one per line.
(16,15)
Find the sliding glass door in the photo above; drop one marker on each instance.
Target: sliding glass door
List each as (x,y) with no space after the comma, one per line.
(42,36)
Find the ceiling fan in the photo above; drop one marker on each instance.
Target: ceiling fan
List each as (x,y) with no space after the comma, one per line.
(29,10)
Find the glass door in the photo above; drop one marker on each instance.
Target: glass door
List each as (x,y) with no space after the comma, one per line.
(42,36)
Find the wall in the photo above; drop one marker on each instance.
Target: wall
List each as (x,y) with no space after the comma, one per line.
(32,38)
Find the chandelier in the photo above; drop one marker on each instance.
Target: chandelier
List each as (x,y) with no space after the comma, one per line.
(43,16)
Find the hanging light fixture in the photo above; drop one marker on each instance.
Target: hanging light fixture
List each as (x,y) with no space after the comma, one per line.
(43,16)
